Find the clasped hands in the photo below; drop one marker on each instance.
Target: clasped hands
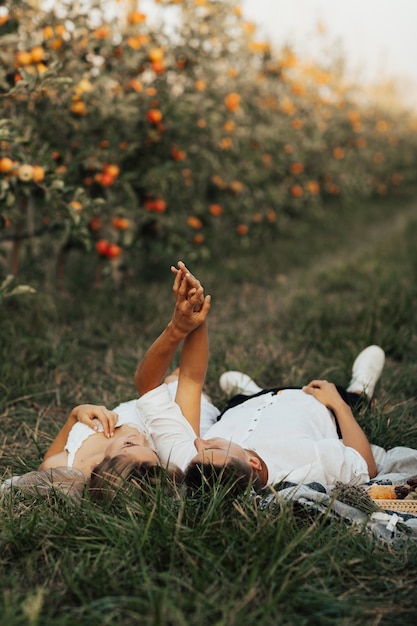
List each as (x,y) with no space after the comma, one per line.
(191,306)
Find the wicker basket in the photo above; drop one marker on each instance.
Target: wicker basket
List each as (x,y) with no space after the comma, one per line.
(403,506)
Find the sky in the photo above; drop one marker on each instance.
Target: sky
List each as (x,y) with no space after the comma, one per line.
(378,37)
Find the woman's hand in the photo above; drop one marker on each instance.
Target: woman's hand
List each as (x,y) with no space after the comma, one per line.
(325,392)
(85,413)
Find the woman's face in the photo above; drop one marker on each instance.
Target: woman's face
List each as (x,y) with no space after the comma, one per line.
(135,447)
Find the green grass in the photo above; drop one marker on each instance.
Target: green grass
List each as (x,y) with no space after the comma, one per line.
(300,306)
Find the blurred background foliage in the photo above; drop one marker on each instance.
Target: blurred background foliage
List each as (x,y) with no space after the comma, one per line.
(136,143)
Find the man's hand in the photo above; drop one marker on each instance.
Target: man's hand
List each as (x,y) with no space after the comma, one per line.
(352,434)
(325,392)
(85,413)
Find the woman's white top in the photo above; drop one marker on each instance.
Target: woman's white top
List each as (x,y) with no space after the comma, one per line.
(129,415)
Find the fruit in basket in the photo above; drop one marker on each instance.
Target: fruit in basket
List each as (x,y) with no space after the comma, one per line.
(412,481)
(402,491)
(382,492)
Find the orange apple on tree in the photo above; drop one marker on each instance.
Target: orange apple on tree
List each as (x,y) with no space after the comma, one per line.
(154,116)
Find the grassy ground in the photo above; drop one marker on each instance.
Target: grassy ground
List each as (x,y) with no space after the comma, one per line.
(301,307)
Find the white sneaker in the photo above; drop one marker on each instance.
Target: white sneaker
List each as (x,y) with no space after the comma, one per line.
(237,382)
(366,370)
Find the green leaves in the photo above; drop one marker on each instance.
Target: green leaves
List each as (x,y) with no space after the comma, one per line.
(7,290)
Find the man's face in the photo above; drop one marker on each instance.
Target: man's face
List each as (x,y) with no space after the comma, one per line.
(218,451)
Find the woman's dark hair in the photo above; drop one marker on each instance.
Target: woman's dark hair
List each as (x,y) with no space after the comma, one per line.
(116,474)
(235,476)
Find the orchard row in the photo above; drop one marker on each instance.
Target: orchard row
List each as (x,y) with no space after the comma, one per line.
(125,140)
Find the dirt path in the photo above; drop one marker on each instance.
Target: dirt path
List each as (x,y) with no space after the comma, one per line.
(349,244)
(375,235)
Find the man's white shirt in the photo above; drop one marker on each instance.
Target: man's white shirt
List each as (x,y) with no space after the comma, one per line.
(291,431)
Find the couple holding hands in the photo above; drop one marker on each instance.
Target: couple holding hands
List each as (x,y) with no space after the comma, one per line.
(263,437)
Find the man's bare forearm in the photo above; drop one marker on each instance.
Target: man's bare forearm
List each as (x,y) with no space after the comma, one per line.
(353,435)
(194,355)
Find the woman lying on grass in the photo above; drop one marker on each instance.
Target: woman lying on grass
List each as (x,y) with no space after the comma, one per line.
(109,449)
(105,449)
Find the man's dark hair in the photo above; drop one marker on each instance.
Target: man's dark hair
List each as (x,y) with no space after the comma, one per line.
(235,476)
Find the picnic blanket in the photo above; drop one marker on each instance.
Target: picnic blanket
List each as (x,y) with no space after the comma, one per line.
(394,467)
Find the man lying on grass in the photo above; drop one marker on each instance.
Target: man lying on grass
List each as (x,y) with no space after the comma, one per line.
(296,435)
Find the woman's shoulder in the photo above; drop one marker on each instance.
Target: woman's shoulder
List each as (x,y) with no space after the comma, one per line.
(56,460)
